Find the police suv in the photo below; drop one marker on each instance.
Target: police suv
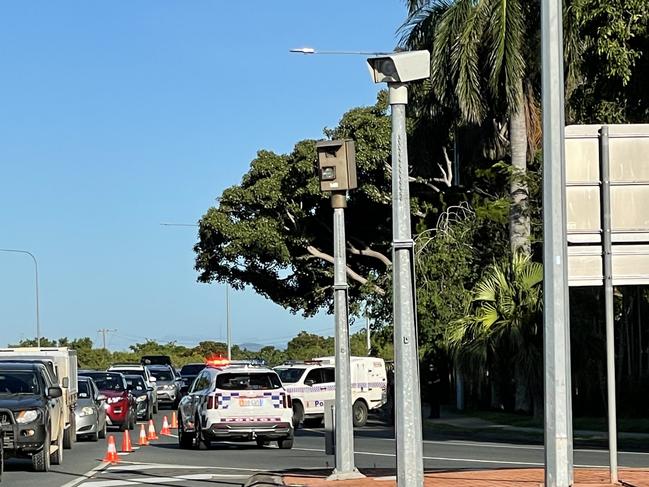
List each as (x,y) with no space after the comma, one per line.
(310,383)
(235,403)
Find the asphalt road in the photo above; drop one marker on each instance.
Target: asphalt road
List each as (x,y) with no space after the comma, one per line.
(227,464)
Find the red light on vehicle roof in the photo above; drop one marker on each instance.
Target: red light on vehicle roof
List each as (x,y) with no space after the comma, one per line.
(217,361)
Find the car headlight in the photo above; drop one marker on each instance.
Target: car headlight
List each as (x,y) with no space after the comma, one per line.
(28,416)
(140,398)
(168,387)
(113,400)
(86,411)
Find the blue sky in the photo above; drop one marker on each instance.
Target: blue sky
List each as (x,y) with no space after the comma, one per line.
(118,115)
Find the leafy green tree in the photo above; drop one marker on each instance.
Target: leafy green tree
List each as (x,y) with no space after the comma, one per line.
(502,329)
(306,346)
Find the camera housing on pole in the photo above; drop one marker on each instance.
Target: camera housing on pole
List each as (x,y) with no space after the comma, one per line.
(336,165)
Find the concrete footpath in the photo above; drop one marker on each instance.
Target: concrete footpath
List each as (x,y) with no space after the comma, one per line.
(456,478)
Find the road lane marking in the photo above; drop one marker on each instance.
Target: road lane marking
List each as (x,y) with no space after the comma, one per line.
(461,460)
(86,475)
(169,465)
(146,480)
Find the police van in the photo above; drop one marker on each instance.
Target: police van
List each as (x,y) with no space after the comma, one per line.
(310,383)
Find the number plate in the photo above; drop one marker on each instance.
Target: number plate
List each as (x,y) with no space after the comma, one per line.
(251,402)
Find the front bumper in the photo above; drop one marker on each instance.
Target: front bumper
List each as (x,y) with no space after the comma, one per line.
(142,409)
(167,396)
(116,415)
(249,430)
(23,438)
(86,425)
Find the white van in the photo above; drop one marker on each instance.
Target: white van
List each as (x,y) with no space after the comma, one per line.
(311,383)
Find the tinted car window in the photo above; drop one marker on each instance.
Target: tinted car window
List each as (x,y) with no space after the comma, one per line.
(107,381)
(163,375)
(329,374)
(315,375)
(242,381)
(19,382)
(192,369)
(136,383)
(84,388)
(291,375)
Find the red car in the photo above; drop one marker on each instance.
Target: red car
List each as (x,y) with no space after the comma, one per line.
(120,403)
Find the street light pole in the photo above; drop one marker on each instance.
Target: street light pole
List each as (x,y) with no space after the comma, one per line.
(38,313)
(227,320)
(410,466)
(556,318)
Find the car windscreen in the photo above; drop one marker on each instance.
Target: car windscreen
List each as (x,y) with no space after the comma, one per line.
(192,369)
(84,388)
(290,375)
(136,383)
(107,381)
(162,375)
(18,382)
(245,381)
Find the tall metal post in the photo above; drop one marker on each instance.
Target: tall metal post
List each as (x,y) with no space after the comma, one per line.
(344,427)
(605,209)
(227,320)
(556,326)
(410,466)
(38,312)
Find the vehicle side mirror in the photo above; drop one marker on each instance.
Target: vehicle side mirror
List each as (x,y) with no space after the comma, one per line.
(309,382)
(149,389)
(101,398)
(65,382)
(54,392)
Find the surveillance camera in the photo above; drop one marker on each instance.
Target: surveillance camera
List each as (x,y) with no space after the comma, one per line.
(400,67)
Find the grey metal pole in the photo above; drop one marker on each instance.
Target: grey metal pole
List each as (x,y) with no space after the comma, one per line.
(605,209)
(410,466)
(227,320)
(38,312)
(344,428)
(556,326)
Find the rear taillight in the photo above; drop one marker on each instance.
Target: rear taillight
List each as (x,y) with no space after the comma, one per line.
(213,401)
(286,400)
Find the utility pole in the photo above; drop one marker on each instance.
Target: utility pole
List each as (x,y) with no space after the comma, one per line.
(556,318)
(103,332)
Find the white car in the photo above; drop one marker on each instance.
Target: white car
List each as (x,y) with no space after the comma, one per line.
(235,403)
(311,383)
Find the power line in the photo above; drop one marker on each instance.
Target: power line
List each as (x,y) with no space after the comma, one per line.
(103,332)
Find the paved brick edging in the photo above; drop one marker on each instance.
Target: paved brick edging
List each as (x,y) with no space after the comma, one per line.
(532,477)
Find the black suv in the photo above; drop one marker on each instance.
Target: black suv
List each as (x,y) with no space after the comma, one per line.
(31,413)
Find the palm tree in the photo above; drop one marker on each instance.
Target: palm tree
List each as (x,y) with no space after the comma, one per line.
(502,328)
(485,66)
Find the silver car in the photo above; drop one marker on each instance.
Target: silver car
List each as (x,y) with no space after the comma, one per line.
(166,384)
(90,412)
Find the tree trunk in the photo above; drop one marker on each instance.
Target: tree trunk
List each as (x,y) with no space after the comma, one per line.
(519,220)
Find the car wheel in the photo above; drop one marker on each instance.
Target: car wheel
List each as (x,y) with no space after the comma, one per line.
(56,458)
(124,426)
(286,443)
(359,413)
(41,460)
(70,435)
(312,422)
(102,432)
(184,439)
(298,414)
(199,441)
(95,436)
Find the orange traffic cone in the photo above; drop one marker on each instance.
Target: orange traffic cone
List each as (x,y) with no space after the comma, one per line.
(111,453)
(127,447)
(143,441)
(165,427)
(152,434)
(174,420)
